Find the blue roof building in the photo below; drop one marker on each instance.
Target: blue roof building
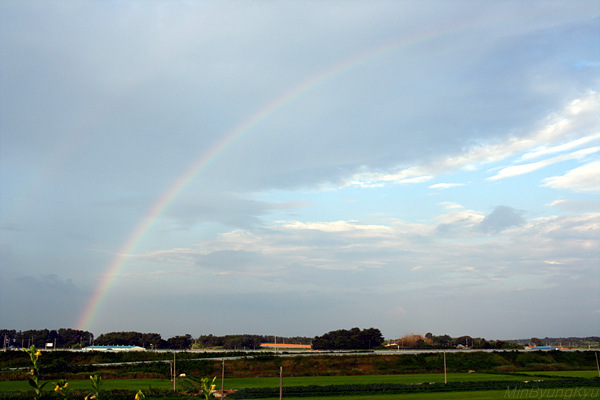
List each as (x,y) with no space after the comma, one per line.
(543,348)
(113,348)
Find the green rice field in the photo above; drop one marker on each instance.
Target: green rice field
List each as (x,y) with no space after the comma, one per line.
(239,383)
(568,393)
(568,374)
(367,379)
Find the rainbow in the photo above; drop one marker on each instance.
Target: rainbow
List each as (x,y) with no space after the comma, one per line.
(112,270)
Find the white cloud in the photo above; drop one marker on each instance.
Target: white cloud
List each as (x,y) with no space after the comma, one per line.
(376,179)
(579,118)
(578,122)
(446,185)
(544,150)
(585,178)
(338,226)
(416,179)
(451,205)
(281,251)
(575,205)
(395,260)
(516,170)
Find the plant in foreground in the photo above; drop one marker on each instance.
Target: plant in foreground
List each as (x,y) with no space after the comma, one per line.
(61,388)
(34,374)
(208,389)
(193,386)
(140,395)
(96,384)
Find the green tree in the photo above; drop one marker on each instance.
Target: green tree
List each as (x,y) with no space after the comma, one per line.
(442,341)
(179,342)
(464,341)
(352,339)
(128,339)
(536,341)
(153,341)
(370,338)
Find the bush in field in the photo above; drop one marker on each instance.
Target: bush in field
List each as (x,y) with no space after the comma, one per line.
(412,340)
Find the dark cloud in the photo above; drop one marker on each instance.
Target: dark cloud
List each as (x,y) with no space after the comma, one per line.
(501,218)
(41,301)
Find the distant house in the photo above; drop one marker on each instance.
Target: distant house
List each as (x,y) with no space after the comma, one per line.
(113,348)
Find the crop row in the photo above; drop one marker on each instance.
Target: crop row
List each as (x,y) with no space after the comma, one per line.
(393,388)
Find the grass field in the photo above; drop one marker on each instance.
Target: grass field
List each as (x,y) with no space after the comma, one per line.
(239,383)
(484,395)
(366,379)
(568,393)
(568,374)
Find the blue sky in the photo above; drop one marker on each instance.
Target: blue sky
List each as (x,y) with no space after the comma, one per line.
(411,166)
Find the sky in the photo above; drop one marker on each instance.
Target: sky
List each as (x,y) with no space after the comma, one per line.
(295,167)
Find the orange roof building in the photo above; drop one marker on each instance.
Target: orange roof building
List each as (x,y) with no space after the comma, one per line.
(284,346)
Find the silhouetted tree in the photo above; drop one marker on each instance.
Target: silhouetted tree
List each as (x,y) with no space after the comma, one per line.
(353,339)
(180,342)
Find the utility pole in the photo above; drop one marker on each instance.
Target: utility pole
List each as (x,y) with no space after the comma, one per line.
(223,380)
(597,365)
(445,375)
(281,382)
(174,372)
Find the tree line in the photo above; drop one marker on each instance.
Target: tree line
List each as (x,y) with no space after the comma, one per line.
(41,338)
(75,339)
(342,339)
(244,341)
